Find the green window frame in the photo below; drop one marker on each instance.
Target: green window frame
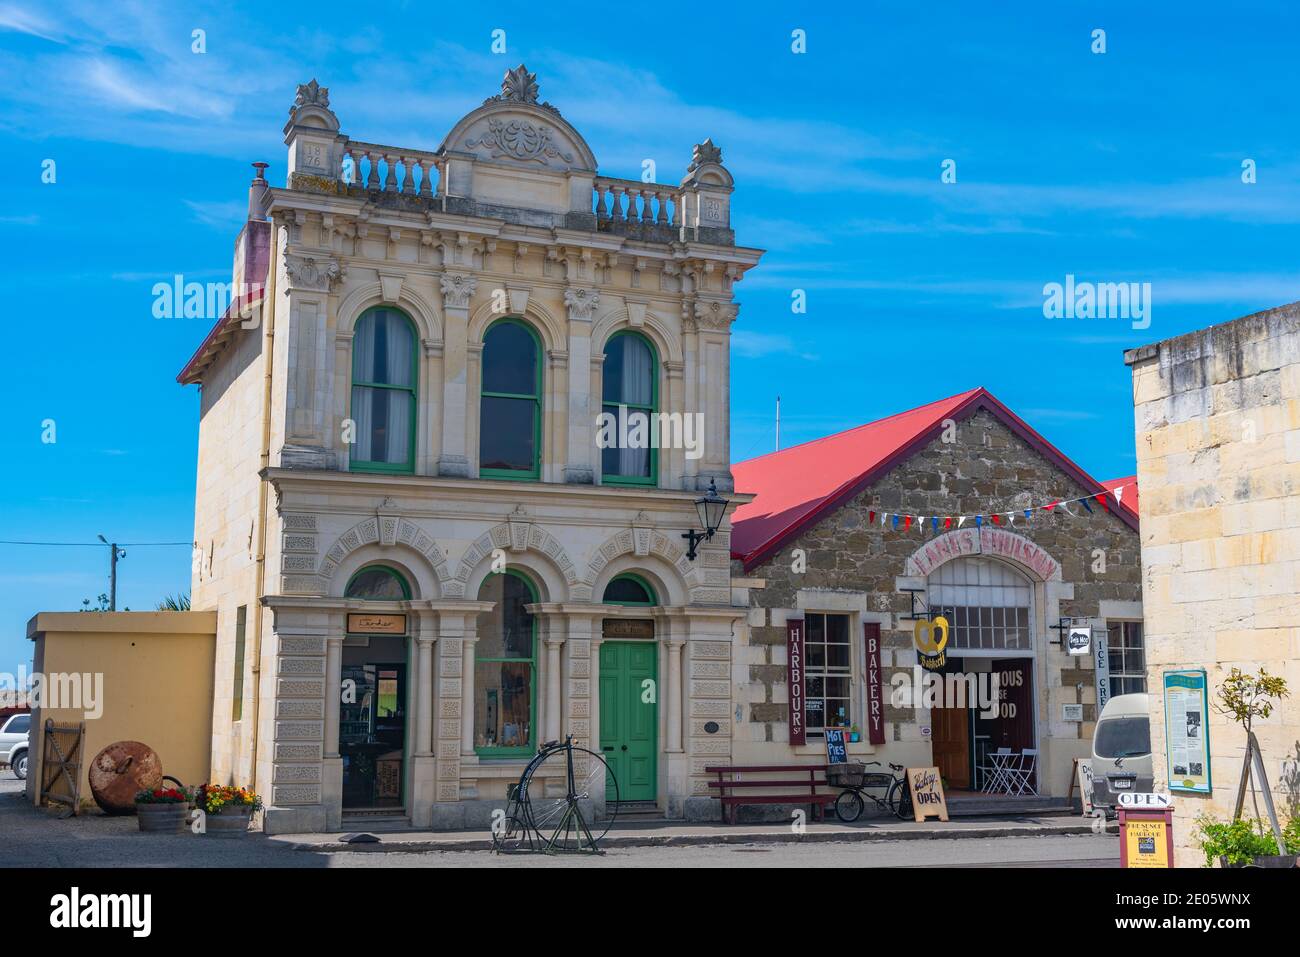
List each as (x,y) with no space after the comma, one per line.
(391,572)
(411,391)
(535,397)
(237,694)
(612,405)
(631,577)
(529,747)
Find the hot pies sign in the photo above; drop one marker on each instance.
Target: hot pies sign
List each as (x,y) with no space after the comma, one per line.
(931,638)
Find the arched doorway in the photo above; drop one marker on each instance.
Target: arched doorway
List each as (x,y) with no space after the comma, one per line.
(989,608)
(374,696)
(629,697)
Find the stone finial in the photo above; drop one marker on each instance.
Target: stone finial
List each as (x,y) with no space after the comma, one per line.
(703,153)
(311,94)
(519,86)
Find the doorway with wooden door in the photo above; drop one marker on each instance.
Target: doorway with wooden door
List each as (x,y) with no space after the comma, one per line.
(629,715)
(950,738)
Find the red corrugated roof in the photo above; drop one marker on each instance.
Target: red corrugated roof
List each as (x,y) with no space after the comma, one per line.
(796,486)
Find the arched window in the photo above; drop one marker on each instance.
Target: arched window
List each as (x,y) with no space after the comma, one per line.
(629,590)
(378,583)
(383,392)
(629,395)
(510,409)
(505,667)
(987,604)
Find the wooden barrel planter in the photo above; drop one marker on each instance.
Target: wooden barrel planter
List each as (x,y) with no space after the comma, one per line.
(231,822)
(162,818)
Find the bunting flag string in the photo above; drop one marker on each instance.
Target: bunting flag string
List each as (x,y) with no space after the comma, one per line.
(999,518)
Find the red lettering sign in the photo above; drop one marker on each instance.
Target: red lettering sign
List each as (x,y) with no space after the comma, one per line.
(875,696)
(794,649)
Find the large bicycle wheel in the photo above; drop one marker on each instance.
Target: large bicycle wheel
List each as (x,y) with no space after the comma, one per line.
(566,815)
(900,800)
(848,806)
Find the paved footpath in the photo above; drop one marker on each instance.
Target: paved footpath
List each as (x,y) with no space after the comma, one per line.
(31,837)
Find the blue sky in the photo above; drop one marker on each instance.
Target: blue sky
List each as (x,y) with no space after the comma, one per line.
(1115,167)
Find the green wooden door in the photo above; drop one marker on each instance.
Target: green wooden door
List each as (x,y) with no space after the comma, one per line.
(629,716)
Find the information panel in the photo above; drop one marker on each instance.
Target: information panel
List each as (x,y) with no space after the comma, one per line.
(1187,731)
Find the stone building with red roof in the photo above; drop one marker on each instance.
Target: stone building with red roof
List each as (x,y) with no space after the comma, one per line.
(855,545)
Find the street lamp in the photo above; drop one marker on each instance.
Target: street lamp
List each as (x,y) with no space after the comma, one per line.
(711,508)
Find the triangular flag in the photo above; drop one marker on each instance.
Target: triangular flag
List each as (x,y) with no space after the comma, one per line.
(1101,497)
(961,520)
(1052,506)
(1028,513)
(907,522)
(934,523)
(947,522)
(883,516)
(1011,518)
(871,517)
(1119,494)
(996,520)
(979,521)
(1084,503)
(895,521)
(1065,507)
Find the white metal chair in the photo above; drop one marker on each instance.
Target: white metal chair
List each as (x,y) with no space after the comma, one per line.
(994,772)
(1020,775)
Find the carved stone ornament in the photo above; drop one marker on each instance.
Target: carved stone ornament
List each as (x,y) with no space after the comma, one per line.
(705,152)
(715,315)
(581,301)
(456,290)
(305,272)
(310,94)
(519,86)
(519,139)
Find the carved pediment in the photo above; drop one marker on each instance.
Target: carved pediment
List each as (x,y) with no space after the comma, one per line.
(511,136)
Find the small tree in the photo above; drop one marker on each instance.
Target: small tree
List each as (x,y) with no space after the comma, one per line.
(1245,697)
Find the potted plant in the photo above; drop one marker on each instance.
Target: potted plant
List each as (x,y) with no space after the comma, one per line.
(1245,697)
(162,810)
(1244,843)
(227,810)
(855,734)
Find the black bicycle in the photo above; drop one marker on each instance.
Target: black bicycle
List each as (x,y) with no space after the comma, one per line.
(539,817)
(887,791)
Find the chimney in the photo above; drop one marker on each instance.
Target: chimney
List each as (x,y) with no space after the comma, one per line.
(256,193)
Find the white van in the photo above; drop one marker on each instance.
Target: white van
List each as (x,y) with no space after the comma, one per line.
(1121,750)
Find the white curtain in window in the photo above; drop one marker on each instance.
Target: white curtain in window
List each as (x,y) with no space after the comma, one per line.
(382,352)
(397,336)
(638,389)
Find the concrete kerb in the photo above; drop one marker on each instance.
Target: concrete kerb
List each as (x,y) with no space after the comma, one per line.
(408,844)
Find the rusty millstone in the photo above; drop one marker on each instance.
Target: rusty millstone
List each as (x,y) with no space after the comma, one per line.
(119,771)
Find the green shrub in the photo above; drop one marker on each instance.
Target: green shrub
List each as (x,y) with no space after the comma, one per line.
(1241,841)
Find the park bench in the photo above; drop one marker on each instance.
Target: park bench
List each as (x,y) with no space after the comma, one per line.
(738,784)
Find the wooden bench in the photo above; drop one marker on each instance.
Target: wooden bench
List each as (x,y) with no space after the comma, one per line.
(801,779)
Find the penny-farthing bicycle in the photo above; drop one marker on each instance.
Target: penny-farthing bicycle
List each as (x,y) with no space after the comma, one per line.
(555,823)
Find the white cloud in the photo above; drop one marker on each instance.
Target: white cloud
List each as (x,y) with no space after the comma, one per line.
(757,345)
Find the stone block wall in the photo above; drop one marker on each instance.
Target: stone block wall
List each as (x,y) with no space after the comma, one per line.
(1217,417)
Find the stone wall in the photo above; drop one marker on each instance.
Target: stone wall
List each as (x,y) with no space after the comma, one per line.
(853,565)
(1217,415)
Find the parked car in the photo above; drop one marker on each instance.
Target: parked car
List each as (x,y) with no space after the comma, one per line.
(1121,750)
(13,743)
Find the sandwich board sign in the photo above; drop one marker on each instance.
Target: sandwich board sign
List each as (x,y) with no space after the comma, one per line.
(926,787)
(836,752)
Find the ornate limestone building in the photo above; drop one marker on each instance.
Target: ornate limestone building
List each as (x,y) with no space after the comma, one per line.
(424,563)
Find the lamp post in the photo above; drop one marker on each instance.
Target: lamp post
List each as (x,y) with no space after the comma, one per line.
(710,508)
(114,553)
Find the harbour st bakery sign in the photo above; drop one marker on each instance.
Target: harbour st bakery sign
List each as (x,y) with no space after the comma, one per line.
(982,541)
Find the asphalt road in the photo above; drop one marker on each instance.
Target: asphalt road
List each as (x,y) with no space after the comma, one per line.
(37,838)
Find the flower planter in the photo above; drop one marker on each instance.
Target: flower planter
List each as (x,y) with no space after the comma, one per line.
(231,822)
(1272,860)
(162,818)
